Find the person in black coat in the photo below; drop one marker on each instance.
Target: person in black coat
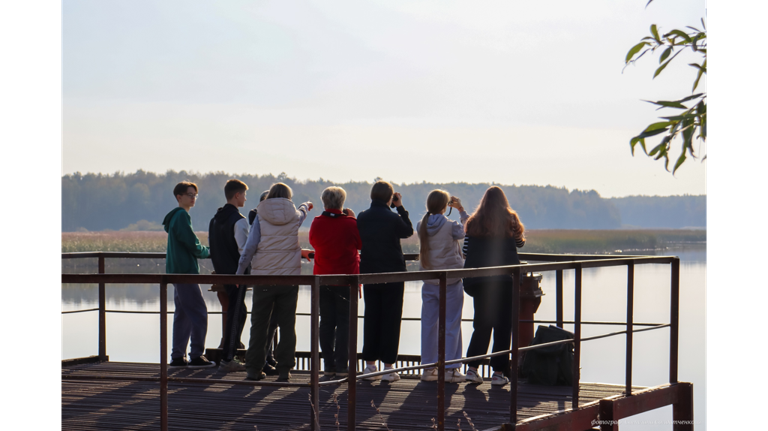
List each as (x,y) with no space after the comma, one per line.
(380,232)
(494,233)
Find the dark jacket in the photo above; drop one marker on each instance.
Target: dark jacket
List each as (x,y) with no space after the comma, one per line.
(184,247)
(221,238)
(490,251)
(380,231)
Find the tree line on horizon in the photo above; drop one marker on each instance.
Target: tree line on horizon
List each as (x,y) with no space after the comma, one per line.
(140,200)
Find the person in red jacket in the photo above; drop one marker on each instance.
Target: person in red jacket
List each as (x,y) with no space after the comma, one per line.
(336,240)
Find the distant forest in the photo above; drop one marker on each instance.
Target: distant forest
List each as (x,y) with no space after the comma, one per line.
(140,200)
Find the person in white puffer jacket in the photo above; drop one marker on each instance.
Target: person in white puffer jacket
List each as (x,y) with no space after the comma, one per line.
(273,249)
(440,248)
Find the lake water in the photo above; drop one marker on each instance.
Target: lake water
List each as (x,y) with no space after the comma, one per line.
(135,337)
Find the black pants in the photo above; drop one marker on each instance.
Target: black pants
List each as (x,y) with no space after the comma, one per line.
(334,327)
(492,302)
(381,324)
(269,300)
(237,314)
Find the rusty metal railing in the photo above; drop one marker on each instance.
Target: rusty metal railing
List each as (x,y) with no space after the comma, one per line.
(556,263)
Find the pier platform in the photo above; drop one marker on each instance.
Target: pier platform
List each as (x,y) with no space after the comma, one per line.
(107,403)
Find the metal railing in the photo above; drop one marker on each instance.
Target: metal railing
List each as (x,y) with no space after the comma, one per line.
(557,263)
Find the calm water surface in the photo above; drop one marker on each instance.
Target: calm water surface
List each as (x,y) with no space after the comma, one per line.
(135,337)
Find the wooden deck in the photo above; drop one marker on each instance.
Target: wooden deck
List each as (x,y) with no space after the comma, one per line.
(110,404)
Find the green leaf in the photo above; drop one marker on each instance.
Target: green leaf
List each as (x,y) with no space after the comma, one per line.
(680,34)
(656,126)
(668,104)
(662,67)
(660,149)
(635,49)
(693,96)
(637,140)
(665,54)
(698,78)
(648,134)
(655,33)
(679,162)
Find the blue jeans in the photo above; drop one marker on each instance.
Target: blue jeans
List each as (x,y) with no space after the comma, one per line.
(430,312)
(190,321)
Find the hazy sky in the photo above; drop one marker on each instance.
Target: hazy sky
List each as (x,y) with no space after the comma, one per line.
(511,92)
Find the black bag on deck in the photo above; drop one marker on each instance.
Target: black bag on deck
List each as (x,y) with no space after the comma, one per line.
(551,365)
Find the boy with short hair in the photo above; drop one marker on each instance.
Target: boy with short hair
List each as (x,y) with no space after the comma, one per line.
(190,319)
(227,233)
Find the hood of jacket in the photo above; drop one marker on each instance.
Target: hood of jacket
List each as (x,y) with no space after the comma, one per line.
(434,223)
(224,213)
(277,211)
(169,216)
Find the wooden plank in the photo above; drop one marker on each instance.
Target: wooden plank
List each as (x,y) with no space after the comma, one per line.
(111,403)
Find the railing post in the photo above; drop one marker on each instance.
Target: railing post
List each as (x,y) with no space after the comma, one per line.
(577,339)
(517,277)
(630,325)
(441,355)
(352,376)
(674,319)
(164,356)
(102,313)
(559,297)
(315,349)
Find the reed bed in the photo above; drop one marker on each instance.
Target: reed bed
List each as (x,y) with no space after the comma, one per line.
(538,241)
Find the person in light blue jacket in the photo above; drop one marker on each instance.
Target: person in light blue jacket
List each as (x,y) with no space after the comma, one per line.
(440,248)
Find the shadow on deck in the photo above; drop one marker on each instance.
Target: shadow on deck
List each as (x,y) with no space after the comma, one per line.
(407,404)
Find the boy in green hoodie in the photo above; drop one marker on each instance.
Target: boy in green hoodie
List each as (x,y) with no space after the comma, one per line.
(190,319)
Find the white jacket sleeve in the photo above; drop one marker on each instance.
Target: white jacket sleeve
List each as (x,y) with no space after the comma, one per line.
(241,233)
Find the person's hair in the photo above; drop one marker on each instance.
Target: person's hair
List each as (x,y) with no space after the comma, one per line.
(436,203)
(280,190)
(382,191)
(182,187)
(233,187)
(333,198)
(494,217)
(264,195)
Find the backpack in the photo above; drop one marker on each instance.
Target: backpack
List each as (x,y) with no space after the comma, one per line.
(551,365)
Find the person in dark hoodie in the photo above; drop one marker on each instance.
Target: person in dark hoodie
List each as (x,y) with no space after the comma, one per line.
(380,232)
(227,233)
(190,319)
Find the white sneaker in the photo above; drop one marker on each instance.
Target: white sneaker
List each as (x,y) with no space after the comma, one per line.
(429,375)
(231,366)
(499,380)
(473,377)
(371,369)
(453,375)
(391,377)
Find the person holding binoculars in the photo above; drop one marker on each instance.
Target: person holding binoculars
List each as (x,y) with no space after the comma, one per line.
(440,248)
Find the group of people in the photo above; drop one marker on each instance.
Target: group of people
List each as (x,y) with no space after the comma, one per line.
(344,243)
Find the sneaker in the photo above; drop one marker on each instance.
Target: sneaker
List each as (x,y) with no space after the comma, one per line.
(329,372)
(230,366)
(270,370)
(429,375)
(178,363)
(499,380)
(371,369)
(284,376)
(201,362)
(391,377)
(342,374)
(453,375)
(473,377)
(259,376)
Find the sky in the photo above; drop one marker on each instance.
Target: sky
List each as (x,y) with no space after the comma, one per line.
(409,91)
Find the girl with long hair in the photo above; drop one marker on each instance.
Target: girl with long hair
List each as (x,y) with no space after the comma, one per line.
(440,248)
(494,233)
